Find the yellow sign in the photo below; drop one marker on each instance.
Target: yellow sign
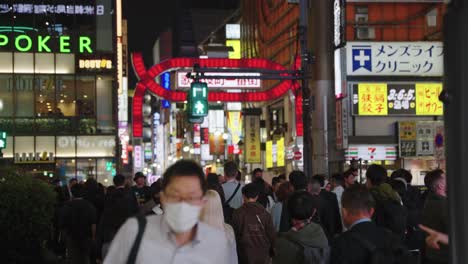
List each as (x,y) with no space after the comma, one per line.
(427,99)
(373,99)
(95,64)
(235,44)
(280,149)
(234,122)
(252,139)
(269,154)
(408,130)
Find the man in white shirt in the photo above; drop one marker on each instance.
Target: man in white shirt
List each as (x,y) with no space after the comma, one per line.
(177,236)
(232,188)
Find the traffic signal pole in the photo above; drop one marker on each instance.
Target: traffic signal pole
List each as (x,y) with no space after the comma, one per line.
(455,98)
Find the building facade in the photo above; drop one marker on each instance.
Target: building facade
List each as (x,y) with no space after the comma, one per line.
(58,88)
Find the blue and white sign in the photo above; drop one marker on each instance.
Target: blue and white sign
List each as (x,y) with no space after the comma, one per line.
(166,84)
(395,58)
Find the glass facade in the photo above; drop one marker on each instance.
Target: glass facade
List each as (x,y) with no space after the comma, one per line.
(49,104)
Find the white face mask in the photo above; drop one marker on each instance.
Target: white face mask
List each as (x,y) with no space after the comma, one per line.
(181,217)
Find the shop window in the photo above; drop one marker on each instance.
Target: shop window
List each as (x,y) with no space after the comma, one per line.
(104,107)
(105,171)
(24,126)
(6,125)
(66,146)
(45,144)
(8,151)
(65,169)
(86,169)
(45,125)
(86,96)
(87,126)
(65,96)
(44,86)
(7,62)
(6,95)
(24,145)
(95,146)
(24,85)
(64,63)
(44,63)
(23,62)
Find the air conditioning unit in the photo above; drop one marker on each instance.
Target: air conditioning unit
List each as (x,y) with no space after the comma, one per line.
(365,33)
(361,18)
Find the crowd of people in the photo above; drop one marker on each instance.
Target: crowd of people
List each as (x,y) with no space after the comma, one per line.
(187,217)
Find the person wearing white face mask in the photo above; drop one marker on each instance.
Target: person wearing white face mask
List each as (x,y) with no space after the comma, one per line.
(177,236)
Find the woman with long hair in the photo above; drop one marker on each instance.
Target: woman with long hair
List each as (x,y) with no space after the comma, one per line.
(212,214)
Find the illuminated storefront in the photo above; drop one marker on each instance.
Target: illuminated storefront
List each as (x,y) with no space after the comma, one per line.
(57,60)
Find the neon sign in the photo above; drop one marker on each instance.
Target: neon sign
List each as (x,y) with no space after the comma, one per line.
(25,43)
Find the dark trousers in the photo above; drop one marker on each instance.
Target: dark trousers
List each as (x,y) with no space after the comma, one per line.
(78,252)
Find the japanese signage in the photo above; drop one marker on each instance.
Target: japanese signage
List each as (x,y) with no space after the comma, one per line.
(342,112)
(184,82)
(233,31)
(234,124)
(166,84)
(280,152)
(137,158)
(25,43)
(198,100)
(236,46)
(421,138)
(216,144)
(395,58)
(428,102)
(252,139)
(269,154)
(371,152)
(3,140)
(339,13)
(382,99)
(30,8)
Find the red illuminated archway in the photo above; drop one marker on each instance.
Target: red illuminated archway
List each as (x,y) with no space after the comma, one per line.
(147,81)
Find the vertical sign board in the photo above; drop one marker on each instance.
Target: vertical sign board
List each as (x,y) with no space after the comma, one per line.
(269,154)
(439,140)
(281,152)
(425,138)
(234,123)
(166,84)
(137,158)
(407,138)
(252,139)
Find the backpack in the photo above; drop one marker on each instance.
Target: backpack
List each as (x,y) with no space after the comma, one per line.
(391,215)
(227,209)
(311,255)
(392,253)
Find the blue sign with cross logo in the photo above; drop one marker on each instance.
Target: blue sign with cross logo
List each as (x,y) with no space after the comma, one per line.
(362,57)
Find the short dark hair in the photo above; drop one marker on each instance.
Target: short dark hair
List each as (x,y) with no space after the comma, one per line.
(78,190)
(302,205)
(282,177)
(338,178)
(72,180)
(119,180)
(376,174)
(298,180)
(139,175)
(402,173)
(184,168)
(357,198)
(256,170)
(212,178)
(349,172)
(320,178)
(432,179)
(230,169)
(283,192)
(250,191)
(315,185)
(275,180)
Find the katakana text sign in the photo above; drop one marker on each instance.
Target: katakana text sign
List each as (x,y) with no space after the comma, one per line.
(395,58)
(427,102)
(397,99)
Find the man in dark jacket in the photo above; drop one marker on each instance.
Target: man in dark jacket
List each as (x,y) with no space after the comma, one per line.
(304,234)
(328,215)
(253,227)
(299,182)
(357,209)
(435,214)
(119,206)
(389,211)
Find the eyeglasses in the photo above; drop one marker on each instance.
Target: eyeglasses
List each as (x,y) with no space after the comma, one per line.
(196,200)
